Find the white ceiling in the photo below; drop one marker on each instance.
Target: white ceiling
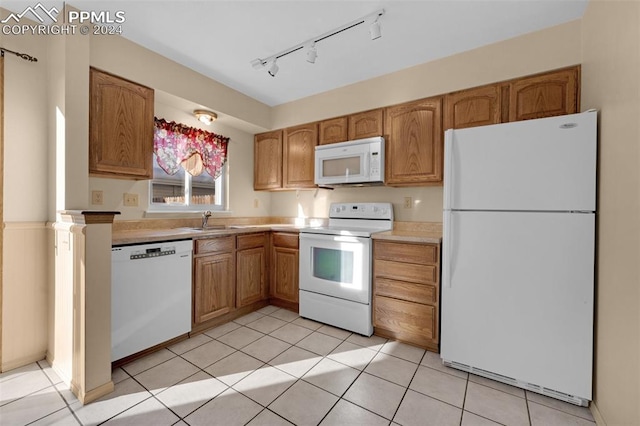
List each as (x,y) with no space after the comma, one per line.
(220,38)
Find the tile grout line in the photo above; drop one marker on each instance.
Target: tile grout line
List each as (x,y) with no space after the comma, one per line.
(406,389)
(464,399)
(53,385)
(271,411)
(341,397)
(526,402)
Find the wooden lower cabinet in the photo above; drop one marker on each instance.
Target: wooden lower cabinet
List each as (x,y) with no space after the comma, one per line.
(214,278)
(406,288)
(251,269)
(284,269)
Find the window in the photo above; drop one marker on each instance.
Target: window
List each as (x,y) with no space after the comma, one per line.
(188,168)
(185,192)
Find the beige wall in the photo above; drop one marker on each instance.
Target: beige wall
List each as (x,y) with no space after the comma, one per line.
(240,193)
(25,315)
(545,50)
(611,83)
(25,202)
(25,130)
(129,60)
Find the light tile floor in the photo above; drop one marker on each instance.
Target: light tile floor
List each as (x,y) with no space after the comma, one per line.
(272,367)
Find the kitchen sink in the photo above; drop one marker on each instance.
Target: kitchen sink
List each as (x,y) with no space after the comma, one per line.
(208,228)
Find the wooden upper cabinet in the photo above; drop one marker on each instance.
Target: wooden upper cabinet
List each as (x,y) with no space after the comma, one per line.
(355,126)
(333,131)
(366,124)
(414,144)
(298,156)
(474,107)
(267,162)
(545,95)
(120,127)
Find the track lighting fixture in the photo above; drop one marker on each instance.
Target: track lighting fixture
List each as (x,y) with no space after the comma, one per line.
(205,116)
(310,45)
(374,29)
(312,53)
(274,69)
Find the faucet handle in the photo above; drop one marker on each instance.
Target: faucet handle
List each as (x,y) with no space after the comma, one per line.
(207,213)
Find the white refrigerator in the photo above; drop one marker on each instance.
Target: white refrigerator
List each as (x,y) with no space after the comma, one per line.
(518,253)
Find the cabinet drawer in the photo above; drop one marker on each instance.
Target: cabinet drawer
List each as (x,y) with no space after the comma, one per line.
(422,254)
(211,245)
(419,293)
(281,239)
(251,240)
(405,271)
(413,322)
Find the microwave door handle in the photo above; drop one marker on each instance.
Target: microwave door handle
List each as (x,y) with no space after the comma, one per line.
(367,163)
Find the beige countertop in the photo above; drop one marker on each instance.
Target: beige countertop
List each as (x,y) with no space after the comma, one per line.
(137,236)
(169,230)
(431,237)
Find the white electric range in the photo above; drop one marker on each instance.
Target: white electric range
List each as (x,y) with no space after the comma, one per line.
(335,265)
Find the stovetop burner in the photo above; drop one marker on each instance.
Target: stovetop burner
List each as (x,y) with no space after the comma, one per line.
(356,219)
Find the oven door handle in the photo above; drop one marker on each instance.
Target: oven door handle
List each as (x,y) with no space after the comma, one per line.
(330,237)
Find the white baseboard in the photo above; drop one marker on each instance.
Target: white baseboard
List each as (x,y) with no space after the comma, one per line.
(596,414)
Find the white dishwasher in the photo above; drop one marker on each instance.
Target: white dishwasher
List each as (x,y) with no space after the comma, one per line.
(150,295)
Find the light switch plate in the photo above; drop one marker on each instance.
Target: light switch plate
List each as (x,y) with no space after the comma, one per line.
(97,198)
(130,200)
(408,202)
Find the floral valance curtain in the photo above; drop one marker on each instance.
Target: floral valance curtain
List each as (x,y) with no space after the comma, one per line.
(195,150)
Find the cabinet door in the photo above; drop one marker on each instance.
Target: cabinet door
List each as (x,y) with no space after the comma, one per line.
(415,323)
(298,158)
(333,131)
(474,107)
(284,278)
(214,293)
(250,275)
(414,143)
(120,127)
(545,95)
(267,160)
(366,124)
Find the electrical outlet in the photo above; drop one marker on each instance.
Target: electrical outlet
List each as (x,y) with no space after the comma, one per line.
(96,198)
(408,203)
(130,200)
(256,203)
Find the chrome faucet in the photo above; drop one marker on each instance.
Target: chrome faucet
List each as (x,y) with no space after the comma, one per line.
(205,218)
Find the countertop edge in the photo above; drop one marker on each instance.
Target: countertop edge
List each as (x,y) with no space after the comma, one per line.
(141,236)
(413,237)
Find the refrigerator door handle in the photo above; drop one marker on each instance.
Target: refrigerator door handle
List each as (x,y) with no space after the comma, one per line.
(448,251)
(448,163)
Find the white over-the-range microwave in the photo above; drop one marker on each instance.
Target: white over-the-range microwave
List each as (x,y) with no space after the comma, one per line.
(359,162)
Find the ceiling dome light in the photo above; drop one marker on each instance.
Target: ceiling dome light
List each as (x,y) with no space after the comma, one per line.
(274,69)
(312,54)
(205,116)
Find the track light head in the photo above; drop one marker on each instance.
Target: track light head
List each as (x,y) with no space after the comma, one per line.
(374,30)
(274,69)
(312,54)
(258,64)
